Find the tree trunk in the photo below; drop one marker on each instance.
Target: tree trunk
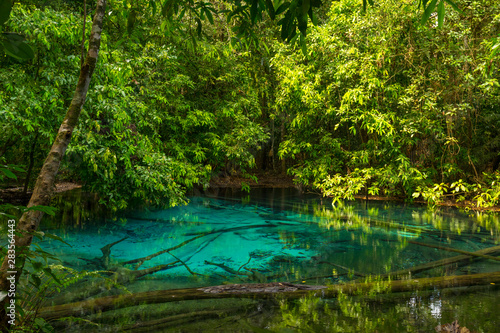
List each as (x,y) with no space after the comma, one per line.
(264,290)
(30,167)
(44,186)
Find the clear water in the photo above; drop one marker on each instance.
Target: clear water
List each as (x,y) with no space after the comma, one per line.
(275,235)
(278,235)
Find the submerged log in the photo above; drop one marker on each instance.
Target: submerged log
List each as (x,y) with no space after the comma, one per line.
(140,261)
(449,249)
(263,290)
(443,262)
(106,252)
(349,270)
(176,320)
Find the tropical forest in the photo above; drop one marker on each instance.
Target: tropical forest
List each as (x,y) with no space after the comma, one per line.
(250,166)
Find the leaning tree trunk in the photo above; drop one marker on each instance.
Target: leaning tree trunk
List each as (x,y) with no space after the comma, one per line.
(44,187)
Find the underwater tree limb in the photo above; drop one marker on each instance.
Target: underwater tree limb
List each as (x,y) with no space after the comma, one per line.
(249,259)
(154,269)
(227,269)
(175,320)
(472,254)
(119,275)
(106,251)
(439,263)
(185,265)
(264,291)
(140,261)
(342,267)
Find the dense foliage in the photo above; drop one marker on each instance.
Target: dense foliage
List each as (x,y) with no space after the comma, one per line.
(385,105)
(377,103)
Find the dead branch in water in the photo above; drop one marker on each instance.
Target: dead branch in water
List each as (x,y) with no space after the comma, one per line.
(262,290)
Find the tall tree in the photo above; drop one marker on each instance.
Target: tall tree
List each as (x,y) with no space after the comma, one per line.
(44,187)
(296,15)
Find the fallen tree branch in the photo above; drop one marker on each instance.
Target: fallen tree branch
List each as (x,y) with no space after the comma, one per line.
(249,259)
(342,267)
(106,252)
(227,269)
(140,261)
(185,265)
(439,263)
(472,254)
(154,269)
(265,290)
(175,320)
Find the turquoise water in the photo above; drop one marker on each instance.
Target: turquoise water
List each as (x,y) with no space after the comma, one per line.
(226,236)
(274,235)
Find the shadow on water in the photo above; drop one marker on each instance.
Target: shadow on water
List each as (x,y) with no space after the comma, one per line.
(277,235)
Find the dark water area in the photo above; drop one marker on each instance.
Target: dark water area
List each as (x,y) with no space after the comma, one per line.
(281,235)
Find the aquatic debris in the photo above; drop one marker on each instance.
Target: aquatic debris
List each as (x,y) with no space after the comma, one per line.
(285,258)
(273,287)
(452,328)
(115,302)
(227,268)
(260,254)
(349,270)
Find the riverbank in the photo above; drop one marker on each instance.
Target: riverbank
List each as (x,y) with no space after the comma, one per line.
(15,195)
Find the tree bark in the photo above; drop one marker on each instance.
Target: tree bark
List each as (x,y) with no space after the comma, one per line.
(263,291)
(30,167)
(44,187)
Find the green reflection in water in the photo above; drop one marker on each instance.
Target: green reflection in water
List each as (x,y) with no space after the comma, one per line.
(280,235)
(475,309)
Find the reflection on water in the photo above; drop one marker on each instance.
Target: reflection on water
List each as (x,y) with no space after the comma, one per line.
(282,235)
(475,309)
(274,235)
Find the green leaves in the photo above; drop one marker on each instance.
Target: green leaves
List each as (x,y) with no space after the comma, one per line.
(253,10)
(46,209)
(428,11)
(13,44)
(440,14)
(440,10)
(6,171)
(5,9)
(270,9)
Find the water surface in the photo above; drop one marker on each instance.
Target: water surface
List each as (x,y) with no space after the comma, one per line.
(277,235)
(271,235)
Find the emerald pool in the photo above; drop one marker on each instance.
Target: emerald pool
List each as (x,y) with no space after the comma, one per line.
(280,235)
